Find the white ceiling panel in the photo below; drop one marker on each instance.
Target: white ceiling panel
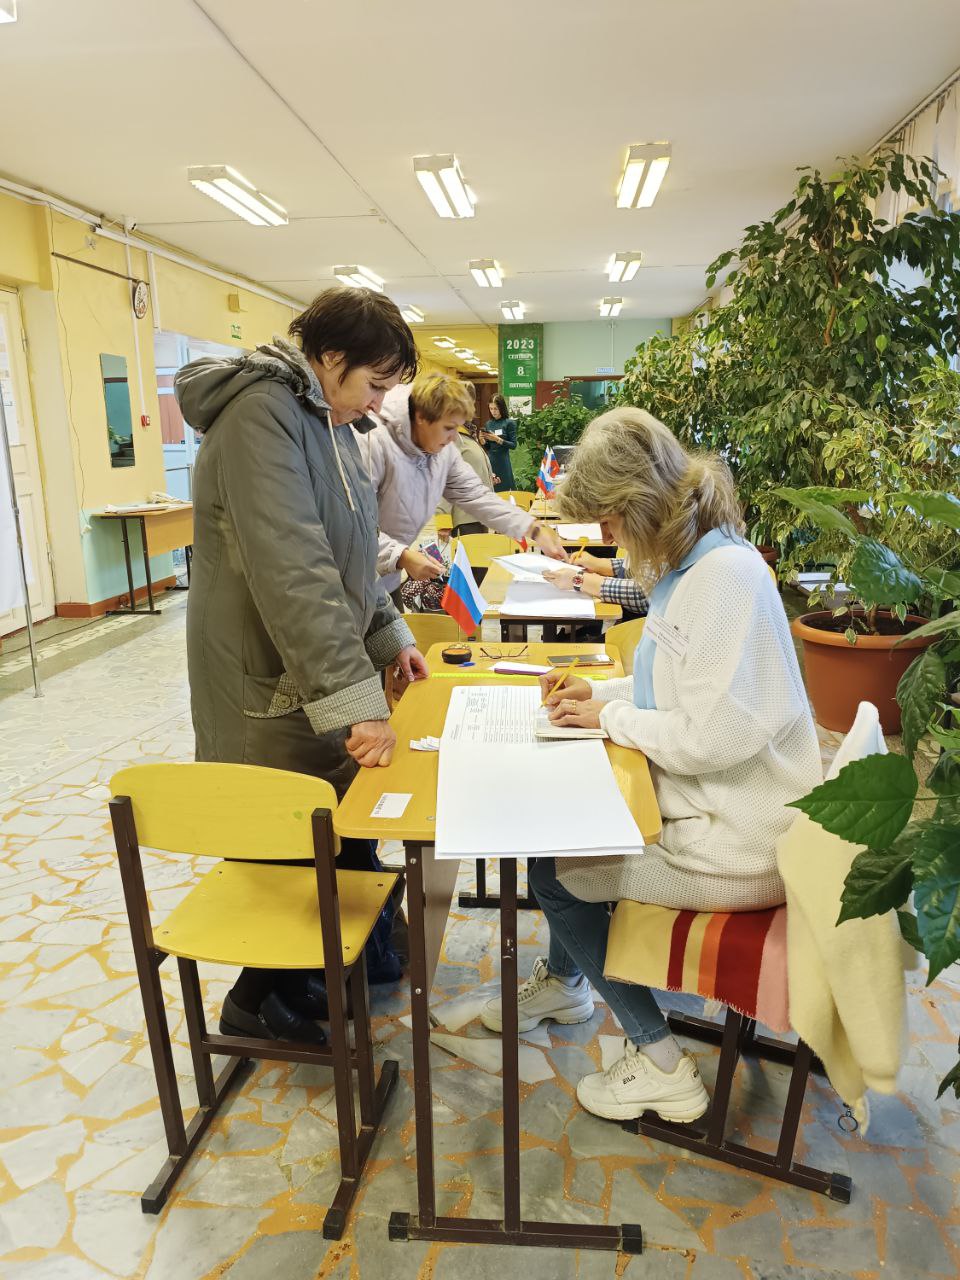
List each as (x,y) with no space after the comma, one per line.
(323,108)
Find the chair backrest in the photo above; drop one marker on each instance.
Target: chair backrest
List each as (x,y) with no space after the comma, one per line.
(433,628)
(520,497)
(773,575)
(624,637)
(443,520)
(214,810)
(482,547)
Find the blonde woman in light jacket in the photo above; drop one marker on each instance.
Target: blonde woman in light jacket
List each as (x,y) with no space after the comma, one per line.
(413,463)
(716,704)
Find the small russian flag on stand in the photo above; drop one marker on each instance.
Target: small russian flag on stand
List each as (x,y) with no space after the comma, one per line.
(549,470)
(461,597)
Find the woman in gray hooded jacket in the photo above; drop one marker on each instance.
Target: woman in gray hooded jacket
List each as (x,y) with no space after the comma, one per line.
(287,624)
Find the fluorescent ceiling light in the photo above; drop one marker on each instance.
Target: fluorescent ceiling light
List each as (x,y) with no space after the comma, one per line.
(8,10)
(462,352)
(611,307)
(359,278)
(234,192)
(447,343)
(486,272)
(512,310)
(445,188)
(642,175)
(622,267)
(413,315)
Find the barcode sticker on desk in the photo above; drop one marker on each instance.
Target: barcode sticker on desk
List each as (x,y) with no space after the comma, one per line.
(391,804)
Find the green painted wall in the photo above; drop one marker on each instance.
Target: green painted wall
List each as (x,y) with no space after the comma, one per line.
(584,346)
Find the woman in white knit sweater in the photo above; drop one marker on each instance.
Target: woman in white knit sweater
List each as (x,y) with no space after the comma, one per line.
(717,705)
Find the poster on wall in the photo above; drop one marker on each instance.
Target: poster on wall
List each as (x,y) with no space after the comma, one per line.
(521,350)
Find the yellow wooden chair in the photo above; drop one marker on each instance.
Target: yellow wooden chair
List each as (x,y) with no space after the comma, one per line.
(520,497)
(624,637)
(443,522)
(249,911)
(428,629)
(481,548)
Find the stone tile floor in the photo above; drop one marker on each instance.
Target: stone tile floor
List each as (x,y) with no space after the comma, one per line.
(81,1130)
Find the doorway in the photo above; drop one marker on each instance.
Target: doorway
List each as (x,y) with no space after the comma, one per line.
(18,412)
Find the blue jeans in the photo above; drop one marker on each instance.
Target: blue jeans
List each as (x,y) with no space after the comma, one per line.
(578,945)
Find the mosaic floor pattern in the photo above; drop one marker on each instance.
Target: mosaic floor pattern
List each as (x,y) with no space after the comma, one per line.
(81,1128)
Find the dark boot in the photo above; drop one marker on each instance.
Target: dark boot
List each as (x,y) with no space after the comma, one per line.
(274,1020)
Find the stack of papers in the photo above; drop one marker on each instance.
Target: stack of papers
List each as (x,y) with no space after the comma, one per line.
(509,668)
(539,599)
(424,744)
(538,787)
(575,532)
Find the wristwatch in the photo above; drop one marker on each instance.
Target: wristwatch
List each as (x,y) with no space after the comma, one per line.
(578,580)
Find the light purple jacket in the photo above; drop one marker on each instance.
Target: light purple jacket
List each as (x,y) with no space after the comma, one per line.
(409,483)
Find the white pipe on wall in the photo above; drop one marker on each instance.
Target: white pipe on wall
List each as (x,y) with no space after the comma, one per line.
(31,196)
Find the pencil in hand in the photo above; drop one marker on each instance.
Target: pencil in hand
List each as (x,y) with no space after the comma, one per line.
(584,543)
(560,679)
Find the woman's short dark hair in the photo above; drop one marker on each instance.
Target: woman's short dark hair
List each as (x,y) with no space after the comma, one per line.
(501,404)
(366,326)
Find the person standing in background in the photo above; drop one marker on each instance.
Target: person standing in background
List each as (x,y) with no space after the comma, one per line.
(499,438)
(472,452)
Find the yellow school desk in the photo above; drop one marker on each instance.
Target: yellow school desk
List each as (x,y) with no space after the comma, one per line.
(430,885)
(162,528)
(494,588)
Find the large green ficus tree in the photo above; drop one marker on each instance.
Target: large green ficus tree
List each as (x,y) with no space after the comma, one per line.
(818,328)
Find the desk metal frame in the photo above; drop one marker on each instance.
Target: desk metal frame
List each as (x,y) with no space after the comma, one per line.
(140,517)
(512,1229)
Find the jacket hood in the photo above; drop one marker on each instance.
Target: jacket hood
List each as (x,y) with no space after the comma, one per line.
(394,417)
(205,387)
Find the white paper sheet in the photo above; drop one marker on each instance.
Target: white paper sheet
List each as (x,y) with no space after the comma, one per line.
(391,804)
(526,565)
(573,532)
(509,668)
(541,600)
(539,787)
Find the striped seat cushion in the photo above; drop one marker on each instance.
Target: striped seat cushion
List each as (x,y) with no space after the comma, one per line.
(738,958)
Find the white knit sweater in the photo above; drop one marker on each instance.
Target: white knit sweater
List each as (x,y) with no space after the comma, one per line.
(730,742)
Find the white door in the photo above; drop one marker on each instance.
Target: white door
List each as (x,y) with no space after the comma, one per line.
(26,475)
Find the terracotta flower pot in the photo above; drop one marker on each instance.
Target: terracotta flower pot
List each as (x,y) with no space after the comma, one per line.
(770,554)
(840,675)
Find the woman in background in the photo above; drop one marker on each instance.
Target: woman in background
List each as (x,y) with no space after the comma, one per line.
(499,438)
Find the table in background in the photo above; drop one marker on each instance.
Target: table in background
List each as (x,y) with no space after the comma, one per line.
(485,655)
(494,589)
(162,528)
(430,885)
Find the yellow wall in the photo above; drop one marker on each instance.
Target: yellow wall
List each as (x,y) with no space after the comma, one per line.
(197,305)
(23,251)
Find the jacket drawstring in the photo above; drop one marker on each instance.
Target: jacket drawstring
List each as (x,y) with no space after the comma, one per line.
(343,474)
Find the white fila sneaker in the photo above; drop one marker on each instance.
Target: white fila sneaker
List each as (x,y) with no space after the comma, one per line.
(634,1084)
(543,999)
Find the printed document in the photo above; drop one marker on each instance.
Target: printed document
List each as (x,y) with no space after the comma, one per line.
(504,794)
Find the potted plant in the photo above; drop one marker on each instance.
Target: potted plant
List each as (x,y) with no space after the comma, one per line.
(889,548)
(560,422)
(818,323)
(911,831)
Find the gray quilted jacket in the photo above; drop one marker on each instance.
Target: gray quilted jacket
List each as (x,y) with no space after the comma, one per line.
(287,624)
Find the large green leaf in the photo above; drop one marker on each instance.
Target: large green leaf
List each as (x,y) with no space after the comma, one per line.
(869,801)
(951,1081)
(879,880)
(831,497)
(944,782)
(909,929)
(937,894)
(945,582)
(820,512)
(879,576)
(920,689)
(938,627)
(944,508)
(949,738)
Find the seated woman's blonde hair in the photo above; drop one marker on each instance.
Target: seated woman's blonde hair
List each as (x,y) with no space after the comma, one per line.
(628,464)
(433,395)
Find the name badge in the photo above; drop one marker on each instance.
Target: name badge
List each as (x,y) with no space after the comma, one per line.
(666,636)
